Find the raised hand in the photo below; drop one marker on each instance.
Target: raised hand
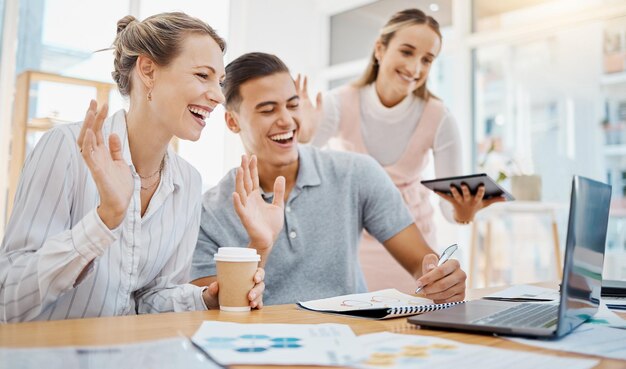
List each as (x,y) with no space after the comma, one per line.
(467,205)
(311,114)
(262,221)
(110,172)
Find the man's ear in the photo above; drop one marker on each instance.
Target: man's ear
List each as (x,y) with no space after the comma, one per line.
(146,69)
(232,121)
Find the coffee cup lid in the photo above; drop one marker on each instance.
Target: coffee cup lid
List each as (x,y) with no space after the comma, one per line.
(236,254)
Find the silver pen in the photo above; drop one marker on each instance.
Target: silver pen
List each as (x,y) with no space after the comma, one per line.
(447,253)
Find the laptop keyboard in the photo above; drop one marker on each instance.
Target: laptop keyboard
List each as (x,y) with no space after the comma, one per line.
(523,315)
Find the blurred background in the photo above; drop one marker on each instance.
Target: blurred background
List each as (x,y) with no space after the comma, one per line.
(538,88)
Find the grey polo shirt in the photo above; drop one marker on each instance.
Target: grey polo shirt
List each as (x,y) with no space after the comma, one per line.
(336,196)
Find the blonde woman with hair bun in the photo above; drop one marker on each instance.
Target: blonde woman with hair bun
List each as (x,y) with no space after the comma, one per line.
(106,215)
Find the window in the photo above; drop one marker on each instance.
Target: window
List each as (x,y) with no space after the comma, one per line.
(48,42)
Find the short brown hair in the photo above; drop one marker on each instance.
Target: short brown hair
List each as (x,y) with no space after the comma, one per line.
(244,68)
(158,37)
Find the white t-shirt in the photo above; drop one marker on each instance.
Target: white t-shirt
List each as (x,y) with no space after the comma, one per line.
(387,131)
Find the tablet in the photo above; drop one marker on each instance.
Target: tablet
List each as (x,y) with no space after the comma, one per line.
(472,181)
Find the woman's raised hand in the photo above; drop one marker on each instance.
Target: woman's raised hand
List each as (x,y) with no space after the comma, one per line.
(311,115)
(110,172)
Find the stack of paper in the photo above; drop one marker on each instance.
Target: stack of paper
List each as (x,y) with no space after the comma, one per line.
(526,293)
(589,339)
(336,344)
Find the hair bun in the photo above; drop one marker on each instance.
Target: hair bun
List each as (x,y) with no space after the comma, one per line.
(124,22)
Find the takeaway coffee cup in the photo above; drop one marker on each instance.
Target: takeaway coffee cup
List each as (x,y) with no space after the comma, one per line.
(235,272)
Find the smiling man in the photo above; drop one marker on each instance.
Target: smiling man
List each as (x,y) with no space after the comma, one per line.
(330,197)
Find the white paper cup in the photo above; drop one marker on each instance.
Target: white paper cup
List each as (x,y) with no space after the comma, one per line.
(236,267)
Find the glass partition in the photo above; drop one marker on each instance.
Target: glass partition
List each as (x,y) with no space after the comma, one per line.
(552,108)
(538,108)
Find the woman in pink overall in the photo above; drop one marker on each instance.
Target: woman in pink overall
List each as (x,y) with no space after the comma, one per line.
(390,114)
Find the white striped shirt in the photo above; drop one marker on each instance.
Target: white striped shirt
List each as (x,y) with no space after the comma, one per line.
(54,233)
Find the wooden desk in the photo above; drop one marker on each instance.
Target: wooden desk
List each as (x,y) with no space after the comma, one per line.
(126,329)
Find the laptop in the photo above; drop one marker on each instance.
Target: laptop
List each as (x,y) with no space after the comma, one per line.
(580,287)
(614,294)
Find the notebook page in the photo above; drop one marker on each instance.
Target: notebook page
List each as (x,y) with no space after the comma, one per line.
(383,299)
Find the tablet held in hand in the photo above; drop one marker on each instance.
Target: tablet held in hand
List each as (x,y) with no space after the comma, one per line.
(473,181)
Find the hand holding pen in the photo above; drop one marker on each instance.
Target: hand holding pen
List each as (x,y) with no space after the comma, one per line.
(443,282)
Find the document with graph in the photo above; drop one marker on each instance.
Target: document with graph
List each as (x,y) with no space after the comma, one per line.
(382,304)
(407,351)
(278,344)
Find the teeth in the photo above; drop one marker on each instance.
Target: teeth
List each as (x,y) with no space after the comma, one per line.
(408,79)
(198,111)
(283,136)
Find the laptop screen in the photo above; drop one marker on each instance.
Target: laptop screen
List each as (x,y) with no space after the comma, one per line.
(584,252)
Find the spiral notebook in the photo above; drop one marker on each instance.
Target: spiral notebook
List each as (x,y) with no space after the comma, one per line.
(382,304)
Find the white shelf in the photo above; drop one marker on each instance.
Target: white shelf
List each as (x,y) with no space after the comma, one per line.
(613,78)
(614,150)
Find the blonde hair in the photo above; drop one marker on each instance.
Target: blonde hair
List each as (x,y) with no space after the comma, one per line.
(159,37)
(398,21)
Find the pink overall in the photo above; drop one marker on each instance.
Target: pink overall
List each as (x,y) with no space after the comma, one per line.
(380,270)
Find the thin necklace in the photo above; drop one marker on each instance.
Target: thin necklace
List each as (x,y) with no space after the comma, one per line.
(159,171)
(155,173)
(151,185)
